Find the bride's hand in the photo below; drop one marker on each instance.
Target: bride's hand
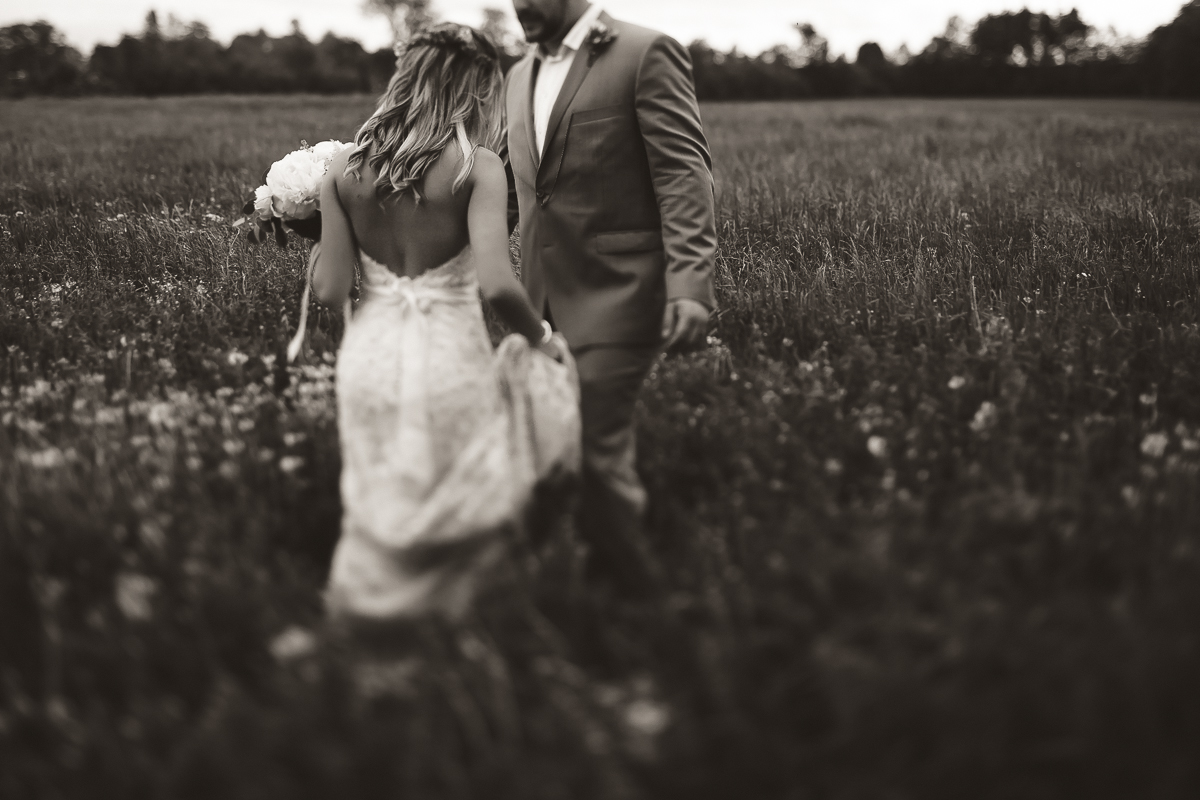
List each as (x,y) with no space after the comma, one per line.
(555,348)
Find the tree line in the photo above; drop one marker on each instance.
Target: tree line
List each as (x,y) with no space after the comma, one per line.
(1010,54)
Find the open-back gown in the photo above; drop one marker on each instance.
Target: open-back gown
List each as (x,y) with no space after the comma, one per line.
(443,440)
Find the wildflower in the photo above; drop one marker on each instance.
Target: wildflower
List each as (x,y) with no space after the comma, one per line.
(985,417)
(109,416)
(877,446)
(228,470)
(160,415)
(956,383)
(1155,444)
(833,466)
(293,439)
(290,464)
(647,717)
(50,458)
(133,593)
(293,643)
(236,358)
(151,534)
(1131,496)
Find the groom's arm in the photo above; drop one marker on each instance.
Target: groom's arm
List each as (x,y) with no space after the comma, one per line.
(514,214)
(681,168)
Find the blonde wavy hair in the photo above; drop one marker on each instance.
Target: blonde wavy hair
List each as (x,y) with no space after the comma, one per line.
(446,89)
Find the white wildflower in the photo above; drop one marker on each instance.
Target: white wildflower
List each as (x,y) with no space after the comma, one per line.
(293,643)
(985,417)
(956,383)
(290,464)
(134,593)
(50,458)
(647,717)
(878,446)
(1131,496)
(1155,444)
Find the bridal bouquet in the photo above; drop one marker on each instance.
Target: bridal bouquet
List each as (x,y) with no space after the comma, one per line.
(290,195)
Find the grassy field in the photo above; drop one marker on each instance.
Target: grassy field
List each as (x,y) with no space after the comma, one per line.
(928,507)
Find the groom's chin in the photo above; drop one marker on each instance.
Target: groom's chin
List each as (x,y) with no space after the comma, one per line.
(535,31)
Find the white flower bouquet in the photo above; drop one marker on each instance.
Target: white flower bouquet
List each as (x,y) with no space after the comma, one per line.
(290,195)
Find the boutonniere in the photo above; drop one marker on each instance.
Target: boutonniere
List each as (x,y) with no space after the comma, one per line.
(599,37)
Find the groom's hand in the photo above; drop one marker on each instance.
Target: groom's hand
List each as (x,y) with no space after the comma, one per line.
(685,324)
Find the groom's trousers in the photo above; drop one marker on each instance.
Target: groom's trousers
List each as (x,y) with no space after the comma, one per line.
(613,499)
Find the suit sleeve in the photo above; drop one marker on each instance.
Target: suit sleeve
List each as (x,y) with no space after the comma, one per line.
(681,168)
(502,151)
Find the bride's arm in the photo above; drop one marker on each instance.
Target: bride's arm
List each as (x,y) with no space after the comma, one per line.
(487,225)
(333,270)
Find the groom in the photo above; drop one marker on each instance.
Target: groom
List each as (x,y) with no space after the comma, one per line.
(615,195)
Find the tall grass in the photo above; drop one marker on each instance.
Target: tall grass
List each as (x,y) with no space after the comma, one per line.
(927,508)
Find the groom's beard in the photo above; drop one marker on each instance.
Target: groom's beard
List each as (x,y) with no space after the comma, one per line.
(537,27)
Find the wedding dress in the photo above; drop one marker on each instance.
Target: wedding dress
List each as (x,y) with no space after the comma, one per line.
(443,440)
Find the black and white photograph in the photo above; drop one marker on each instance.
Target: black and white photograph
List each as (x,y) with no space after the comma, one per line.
(599,400)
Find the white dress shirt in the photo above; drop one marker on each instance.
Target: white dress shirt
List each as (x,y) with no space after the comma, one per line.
(553,73)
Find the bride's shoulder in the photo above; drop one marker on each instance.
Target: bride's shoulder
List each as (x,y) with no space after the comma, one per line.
(335,172)
(488,167)
(488,159)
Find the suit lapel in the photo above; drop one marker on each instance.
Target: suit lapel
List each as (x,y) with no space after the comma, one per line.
(579,70)
(527,83)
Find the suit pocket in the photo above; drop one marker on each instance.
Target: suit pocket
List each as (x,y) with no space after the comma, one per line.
(598,115)
(628,242)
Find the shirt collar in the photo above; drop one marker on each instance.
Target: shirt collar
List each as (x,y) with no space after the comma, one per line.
(574,40)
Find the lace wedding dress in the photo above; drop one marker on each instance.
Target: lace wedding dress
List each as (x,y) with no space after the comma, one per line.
(443,440)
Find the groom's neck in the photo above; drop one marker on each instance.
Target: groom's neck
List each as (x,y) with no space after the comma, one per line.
(575,10)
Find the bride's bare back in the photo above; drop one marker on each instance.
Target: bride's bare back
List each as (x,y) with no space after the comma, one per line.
(411,238)
(406,236)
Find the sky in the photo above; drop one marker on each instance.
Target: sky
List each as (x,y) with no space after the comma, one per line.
(751,25)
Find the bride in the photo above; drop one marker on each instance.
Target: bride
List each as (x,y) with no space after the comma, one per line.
(443,439)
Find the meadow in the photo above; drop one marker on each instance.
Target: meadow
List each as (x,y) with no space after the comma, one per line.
(927,508)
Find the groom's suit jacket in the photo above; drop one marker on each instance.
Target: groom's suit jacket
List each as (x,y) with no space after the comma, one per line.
(616,214)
